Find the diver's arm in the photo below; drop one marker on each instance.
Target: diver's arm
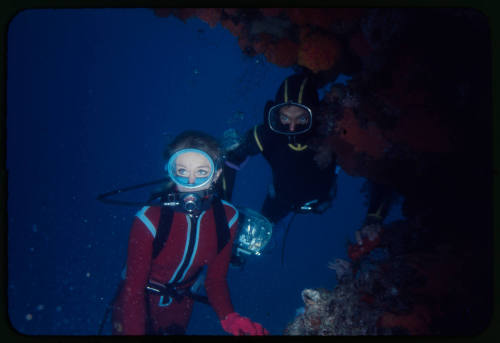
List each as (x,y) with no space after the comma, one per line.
(250,145)
(138,267)
(236,159)
(215,282)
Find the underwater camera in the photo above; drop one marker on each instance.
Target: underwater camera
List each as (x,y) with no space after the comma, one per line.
(254,232)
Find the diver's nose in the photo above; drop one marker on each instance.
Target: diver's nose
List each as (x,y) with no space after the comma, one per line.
(192,178)
(292,126)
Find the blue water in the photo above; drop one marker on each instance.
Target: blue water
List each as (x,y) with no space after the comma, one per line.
(93,96)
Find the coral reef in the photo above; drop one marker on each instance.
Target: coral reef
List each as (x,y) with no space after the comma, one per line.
(318,52)
(285,36)
(390,290)
(415,116)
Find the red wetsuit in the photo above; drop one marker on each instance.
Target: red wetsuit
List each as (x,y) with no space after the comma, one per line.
(174,263)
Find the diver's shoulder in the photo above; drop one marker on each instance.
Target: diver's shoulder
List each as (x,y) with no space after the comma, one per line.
(229,206)
(150,212)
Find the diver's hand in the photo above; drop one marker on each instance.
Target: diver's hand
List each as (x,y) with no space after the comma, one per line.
(230,140)
(323,206)
(239,326)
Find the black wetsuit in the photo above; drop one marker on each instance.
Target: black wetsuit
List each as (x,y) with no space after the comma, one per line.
(297,178)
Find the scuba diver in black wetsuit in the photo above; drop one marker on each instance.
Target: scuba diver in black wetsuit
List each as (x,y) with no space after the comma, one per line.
(288,140)
(284,140)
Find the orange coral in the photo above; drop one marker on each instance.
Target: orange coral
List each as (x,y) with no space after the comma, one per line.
(318,51)
(185,13)
(261,43)
(236,29)
(210,15)
(246,46)
(282,53)
(368,140)
(346,157)
(355,251)
(321,17)
(324,18)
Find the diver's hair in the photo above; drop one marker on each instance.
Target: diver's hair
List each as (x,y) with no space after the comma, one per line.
(196,140)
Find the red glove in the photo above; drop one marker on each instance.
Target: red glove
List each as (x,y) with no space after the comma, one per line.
(238,326)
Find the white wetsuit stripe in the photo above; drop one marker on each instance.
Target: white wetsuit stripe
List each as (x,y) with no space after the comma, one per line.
(145,220)
(236,214)
(185,250)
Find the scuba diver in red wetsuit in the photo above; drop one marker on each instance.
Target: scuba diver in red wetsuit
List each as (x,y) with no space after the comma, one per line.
(197,230)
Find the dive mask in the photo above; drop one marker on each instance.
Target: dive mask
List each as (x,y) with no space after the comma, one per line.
(281,121)
(180,175)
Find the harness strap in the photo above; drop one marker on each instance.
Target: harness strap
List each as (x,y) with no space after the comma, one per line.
(165,223)
(172,289)
(220,224)
(166,217)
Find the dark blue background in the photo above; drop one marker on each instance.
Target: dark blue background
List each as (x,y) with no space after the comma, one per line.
(93,96)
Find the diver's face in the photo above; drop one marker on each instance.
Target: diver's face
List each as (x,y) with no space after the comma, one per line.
(193,165)
(293,116)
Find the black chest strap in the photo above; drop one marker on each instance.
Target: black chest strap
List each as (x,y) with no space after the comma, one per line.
(220,224)
(164,225)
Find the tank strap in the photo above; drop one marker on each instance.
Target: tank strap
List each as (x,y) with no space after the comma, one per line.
(166,218)
(220,224)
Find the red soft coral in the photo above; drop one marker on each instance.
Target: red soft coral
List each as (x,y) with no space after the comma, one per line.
(369,140)
(321,17)
(261,42)
(282,53)
(355,251)
(210,15)
(236,30)
(318,51)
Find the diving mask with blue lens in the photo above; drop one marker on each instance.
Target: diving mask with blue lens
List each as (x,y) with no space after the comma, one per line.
(181,175)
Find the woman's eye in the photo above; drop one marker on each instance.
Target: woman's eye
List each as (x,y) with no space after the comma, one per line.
(202,172)
(284,119)
(302,120)
(181,172)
